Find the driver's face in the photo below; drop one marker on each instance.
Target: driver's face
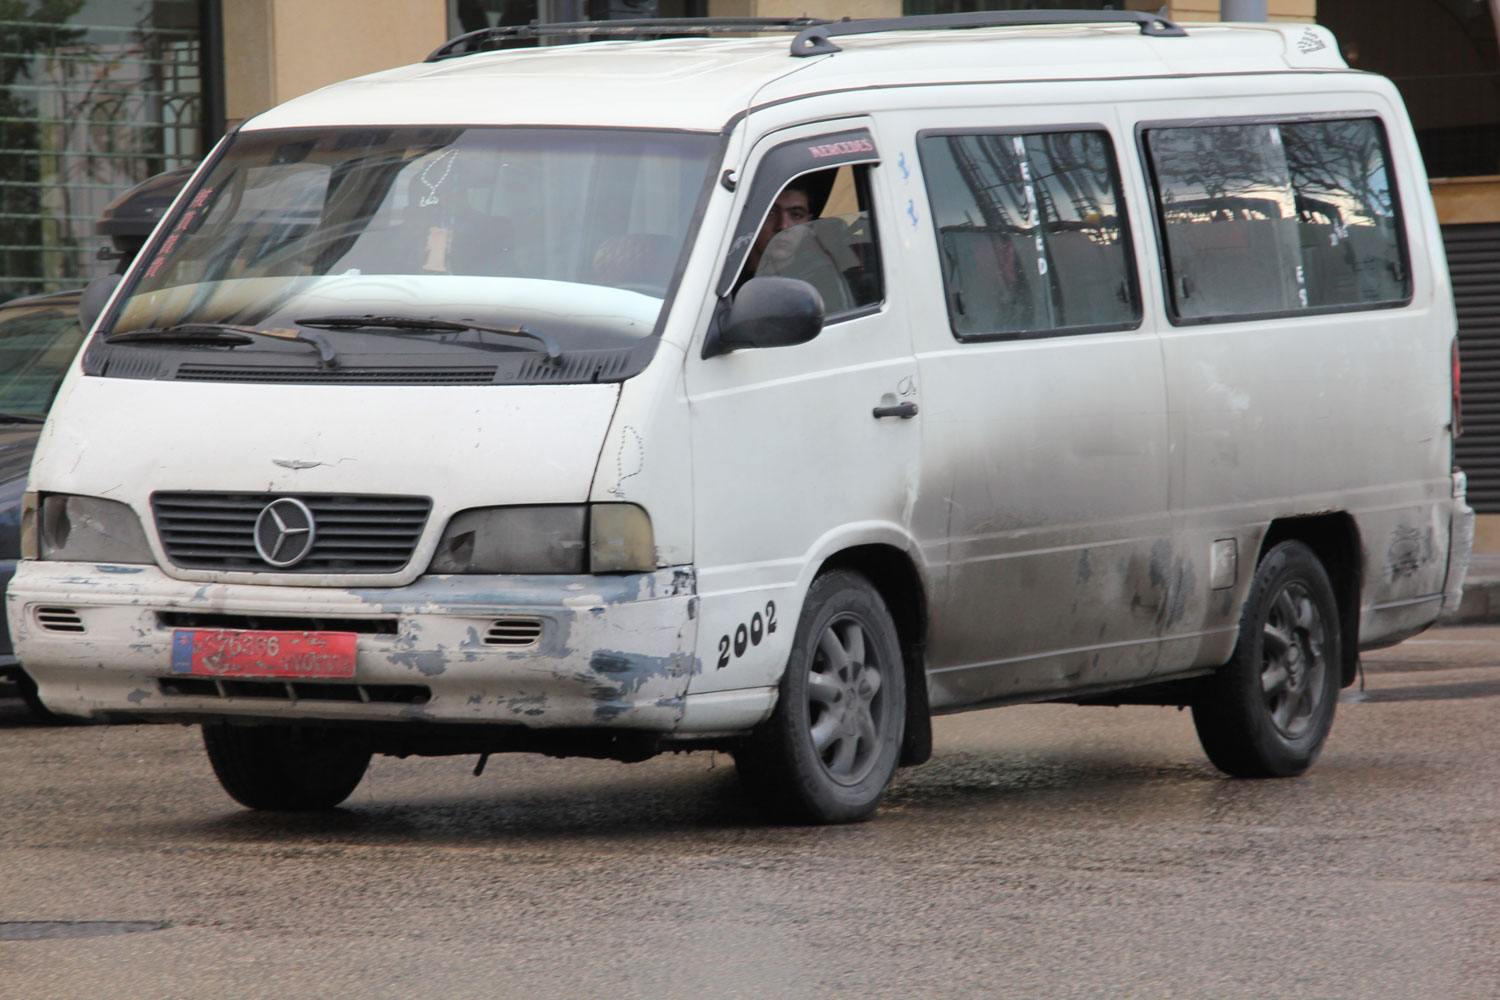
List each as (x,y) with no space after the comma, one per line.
(790,209)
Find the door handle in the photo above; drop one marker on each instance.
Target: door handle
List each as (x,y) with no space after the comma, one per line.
(903,410)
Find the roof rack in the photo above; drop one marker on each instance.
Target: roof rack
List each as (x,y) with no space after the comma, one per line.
(488,39)
(813,32)
(814,39)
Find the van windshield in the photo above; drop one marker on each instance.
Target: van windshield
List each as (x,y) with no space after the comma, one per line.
(507,239)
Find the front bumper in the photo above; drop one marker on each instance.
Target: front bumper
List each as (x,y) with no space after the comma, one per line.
(540,651)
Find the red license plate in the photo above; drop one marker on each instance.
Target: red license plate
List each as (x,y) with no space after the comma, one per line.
(235,653)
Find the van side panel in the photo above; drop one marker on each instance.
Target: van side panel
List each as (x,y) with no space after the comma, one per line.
(1292,416)
(1044,454)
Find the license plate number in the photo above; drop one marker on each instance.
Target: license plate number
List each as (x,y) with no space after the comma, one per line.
(238,653)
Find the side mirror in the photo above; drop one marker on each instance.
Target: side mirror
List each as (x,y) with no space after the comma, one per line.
(768,312)
(95,295)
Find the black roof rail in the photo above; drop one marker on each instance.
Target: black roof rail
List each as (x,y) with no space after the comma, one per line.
(814,39)
(488,39)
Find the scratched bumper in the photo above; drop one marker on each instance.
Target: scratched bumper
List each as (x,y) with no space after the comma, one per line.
(613,651)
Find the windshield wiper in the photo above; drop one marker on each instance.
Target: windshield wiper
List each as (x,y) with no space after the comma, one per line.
(21,418)
(417,325)
(220,333)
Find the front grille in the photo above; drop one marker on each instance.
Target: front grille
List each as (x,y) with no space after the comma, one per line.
(294,691)
(59,620)
(353,534)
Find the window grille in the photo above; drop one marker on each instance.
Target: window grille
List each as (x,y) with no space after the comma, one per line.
(94,100)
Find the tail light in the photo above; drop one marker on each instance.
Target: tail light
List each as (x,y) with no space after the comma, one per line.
(1457,417)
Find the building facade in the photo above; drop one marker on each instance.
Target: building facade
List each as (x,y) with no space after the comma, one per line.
(97,95)
(100,94)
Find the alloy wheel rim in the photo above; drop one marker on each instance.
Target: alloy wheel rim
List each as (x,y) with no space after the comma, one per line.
(1294,662)
(846,700)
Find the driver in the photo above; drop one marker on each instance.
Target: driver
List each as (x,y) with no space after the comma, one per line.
(792,207)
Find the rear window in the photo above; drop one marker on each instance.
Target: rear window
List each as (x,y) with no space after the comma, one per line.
(1276,218)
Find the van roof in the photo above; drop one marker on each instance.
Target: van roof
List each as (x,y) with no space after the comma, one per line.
(702,84)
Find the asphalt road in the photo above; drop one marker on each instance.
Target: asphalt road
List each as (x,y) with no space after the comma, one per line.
(1046,851)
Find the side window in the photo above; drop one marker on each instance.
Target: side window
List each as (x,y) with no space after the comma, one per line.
(1348,226)
(1031,233)
(1274,218)
(821,229)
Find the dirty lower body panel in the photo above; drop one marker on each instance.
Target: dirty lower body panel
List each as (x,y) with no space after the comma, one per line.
(556,652)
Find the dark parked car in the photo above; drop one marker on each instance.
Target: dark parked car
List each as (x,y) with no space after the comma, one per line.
(39,336)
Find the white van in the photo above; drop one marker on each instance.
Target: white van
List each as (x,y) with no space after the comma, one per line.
(766,394)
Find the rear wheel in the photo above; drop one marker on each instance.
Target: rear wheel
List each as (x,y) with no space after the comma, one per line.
(1266,713)
(830,749)
(285,768)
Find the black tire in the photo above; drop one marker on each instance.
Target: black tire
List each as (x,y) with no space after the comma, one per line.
(1266,713)
(831,747)
(285,768)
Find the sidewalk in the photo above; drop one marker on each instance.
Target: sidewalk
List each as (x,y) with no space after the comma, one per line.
(1481,603)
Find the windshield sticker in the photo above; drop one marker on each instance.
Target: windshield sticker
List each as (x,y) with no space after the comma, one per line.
(841,148)
(195,207)
(431,197)
(439,241)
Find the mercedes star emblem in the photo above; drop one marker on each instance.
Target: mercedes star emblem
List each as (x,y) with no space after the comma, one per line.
(284,532)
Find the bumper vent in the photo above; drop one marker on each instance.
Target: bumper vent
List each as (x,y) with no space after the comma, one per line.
(513,632)
(352,534)
(60,620)
(295,691)
(198,619)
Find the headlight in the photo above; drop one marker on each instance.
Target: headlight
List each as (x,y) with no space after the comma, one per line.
(513,540)
(574,538)
(88,529)
(620,539)
(28,527)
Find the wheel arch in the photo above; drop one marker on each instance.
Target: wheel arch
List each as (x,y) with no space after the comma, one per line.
(1334,539)
(897,579)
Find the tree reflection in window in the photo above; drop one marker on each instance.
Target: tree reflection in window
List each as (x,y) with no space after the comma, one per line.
(1269,218)
(1030,232)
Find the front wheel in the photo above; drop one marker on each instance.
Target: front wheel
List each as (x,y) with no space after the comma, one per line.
(830,749)
(1266,713)
(285,768)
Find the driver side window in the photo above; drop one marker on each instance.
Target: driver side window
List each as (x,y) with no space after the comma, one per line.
(821,229)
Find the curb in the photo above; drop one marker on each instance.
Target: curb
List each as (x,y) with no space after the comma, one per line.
(1481,601)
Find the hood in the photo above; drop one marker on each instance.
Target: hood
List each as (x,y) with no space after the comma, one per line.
(460,446)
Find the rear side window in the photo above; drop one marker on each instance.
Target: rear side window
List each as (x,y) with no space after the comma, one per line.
(1031,233)
(1277,218)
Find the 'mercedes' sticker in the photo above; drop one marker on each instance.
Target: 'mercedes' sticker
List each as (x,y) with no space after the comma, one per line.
(841,148)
